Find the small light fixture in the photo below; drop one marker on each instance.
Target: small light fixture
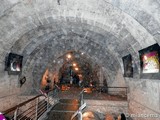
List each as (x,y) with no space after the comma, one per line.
(76,69)
(74,64)
(69,56)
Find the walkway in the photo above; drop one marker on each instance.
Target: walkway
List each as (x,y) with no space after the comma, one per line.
(63,110)
(73,93)
(69,104)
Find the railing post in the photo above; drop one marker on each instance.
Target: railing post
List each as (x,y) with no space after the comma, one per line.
(82,98)
(47,102)
(80,115)
(79,112)
(37,102)
(16,113)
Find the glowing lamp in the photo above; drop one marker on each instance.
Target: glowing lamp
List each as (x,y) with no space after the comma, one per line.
(76,69)
(69,56)
(74,64)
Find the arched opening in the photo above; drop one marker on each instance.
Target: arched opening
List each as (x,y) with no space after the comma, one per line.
(77,70)
(74,69)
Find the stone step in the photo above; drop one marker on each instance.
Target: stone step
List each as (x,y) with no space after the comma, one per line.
(69,101)
(63,110)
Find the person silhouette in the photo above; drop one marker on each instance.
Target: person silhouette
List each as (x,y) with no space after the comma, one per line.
(122,117)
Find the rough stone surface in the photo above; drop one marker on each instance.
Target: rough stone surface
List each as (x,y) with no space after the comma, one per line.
(105,30)
(112,107)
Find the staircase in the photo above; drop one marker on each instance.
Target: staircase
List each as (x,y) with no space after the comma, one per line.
(63,110)
(68,105)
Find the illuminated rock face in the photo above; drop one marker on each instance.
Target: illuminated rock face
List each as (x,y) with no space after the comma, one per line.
(105,31)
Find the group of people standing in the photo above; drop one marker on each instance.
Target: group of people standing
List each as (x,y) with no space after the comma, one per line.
(49,87)
(69,80)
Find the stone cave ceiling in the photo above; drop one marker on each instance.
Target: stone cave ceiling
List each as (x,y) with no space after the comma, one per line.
(105,30)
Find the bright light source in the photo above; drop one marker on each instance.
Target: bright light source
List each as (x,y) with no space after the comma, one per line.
(69,56)
(145,57)
(76,69)
(74,64)
(82,53)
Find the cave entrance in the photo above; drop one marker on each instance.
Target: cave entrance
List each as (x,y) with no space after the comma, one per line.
(73,69)
(77,70)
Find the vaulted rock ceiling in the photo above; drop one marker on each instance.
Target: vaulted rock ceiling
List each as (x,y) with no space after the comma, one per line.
(105,30)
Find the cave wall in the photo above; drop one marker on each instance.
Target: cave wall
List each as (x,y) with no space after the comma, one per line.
(106,30)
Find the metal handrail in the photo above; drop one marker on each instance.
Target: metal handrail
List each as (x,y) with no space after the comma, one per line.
(79,112)
(98,91)
(126,90)
(27,109)
(34,111)
(106,87)
(81,97)
(19,105)
(82,106)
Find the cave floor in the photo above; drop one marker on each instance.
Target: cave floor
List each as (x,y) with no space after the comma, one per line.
(69,103)
(73,93)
